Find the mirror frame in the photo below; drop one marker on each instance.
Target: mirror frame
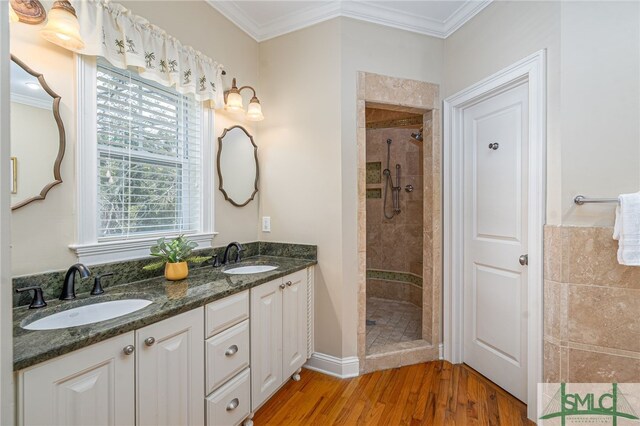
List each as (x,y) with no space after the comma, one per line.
(61,147)
(220,180)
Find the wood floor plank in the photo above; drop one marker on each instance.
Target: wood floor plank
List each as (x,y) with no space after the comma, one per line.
(434,393)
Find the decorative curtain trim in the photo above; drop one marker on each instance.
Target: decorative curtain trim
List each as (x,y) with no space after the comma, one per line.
(130,41)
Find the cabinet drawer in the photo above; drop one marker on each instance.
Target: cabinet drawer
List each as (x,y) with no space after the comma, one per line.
(230,404)
(227,354)
(226,312)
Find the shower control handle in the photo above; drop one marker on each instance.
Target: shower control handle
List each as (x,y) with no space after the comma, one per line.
(409,188)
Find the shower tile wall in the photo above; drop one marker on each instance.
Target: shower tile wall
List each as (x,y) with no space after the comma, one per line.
(396,244)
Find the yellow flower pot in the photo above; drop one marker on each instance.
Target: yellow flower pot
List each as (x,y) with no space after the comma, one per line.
(176,271)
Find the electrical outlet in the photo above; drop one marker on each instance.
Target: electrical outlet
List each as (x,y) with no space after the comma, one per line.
(266,224)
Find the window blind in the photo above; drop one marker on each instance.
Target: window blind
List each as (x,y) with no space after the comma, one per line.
(149,157)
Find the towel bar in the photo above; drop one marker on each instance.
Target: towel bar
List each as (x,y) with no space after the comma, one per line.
(581,199)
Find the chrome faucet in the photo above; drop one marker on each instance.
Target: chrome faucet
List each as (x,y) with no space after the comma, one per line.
(69,287)
(238,246)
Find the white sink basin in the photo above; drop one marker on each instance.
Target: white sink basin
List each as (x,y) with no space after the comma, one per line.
(88,314)
(253,269)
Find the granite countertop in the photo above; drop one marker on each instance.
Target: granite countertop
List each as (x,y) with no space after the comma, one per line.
(204,285)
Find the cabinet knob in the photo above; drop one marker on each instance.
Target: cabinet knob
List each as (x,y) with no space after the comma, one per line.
(231,351)
(282,286)
(129,349)
(233,404)
(289,283)
(149,341)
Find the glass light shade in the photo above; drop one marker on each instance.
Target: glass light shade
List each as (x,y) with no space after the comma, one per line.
(234,102)
(254,112)
(63,29)
(13,16)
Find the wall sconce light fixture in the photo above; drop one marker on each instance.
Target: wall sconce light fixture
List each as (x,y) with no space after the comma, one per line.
(63,27)
(233,102)
(27,11)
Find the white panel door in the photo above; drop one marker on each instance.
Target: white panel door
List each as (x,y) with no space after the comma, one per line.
(495,236)
(91,386)
(170,371)
(294,322)
(266,341)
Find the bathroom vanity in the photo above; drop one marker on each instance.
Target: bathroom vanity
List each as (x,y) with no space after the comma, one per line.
(208,350)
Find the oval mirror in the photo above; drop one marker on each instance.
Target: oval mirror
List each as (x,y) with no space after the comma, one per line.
(37,136)
(237,166)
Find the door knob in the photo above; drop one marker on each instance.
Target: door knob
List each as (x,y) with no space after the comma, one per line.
(524,259)
(289,283)
(494,146)
(282,286)
(149,341)
(129,349)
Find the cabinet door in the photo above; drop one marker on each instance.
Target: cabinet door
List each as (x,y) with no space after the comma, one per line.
(294,322)
(170,371)
(266,341)
(91,386)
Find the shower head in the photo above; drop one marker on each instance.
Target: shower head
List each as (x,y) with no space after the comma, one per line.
(417,135)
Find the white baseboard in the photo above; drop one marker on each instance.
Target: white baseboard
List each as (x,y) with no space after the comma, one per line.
(338,367)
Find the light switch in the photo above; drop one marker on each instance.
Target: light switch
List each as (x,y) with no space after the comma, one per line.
(266,224)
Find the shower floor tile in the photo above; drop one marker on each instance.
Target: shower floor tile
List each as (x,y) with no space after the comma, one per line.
(395,322)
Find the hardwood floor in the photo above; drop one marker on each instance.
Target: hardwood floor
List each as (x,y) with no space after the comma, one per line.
(433,393)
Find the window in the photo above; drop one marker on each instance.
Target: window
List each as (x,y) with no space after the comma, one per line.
(144,145)
(148,157)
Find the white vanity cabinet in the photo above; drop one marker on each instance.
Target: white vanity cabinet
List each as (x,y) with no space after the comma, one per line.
(227,352)
(280,333)
(153,376)
(170,371)
(91,386)
(214,365)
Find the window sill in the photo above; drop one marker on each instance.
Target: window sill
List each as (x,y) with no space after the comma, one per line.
(115,251)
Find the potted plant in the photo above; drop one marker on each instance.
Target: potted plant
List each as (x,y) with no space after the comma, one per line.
(174,256)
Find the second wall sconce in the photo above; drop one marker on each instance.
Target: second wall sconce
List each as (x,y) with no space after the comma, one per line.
(63,27)
(233,102)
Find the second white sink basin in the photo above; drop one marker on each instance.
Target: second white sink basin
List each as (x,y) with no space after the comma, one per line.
(252,269)
(88,314)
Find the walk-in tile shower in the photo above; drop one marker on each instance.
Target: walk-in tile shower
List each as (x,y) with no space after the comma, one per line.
(395,205)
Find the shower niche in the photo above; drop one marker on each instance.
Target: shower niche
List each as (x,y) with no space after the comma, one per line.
(395,196)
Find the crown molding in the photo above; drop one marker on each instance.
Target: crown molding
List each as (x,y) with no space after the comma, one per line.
(464,13)
(358,9)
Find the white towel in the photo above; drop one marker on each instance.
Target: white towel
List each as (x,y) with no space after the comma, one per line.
(627,229)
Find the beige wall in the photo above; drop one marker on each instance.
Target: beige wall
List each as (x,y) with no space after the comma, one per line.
(593,54)
(42,231)
(504,33)
(600,112)
(300,169)
(379,50)
(309,176)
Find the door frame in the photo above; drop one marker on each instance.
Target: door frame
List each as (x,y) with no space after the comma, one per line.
(531,70)
(6,296)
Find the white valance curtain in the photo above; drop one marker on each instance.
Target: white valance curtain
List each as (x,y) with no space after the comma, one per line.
(129,41)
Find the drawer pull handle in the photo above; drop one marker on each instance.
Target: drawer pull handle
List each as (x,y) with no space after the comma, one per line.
(149,341)
(129,349)
(233,404)
(231,351)
(289,283)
